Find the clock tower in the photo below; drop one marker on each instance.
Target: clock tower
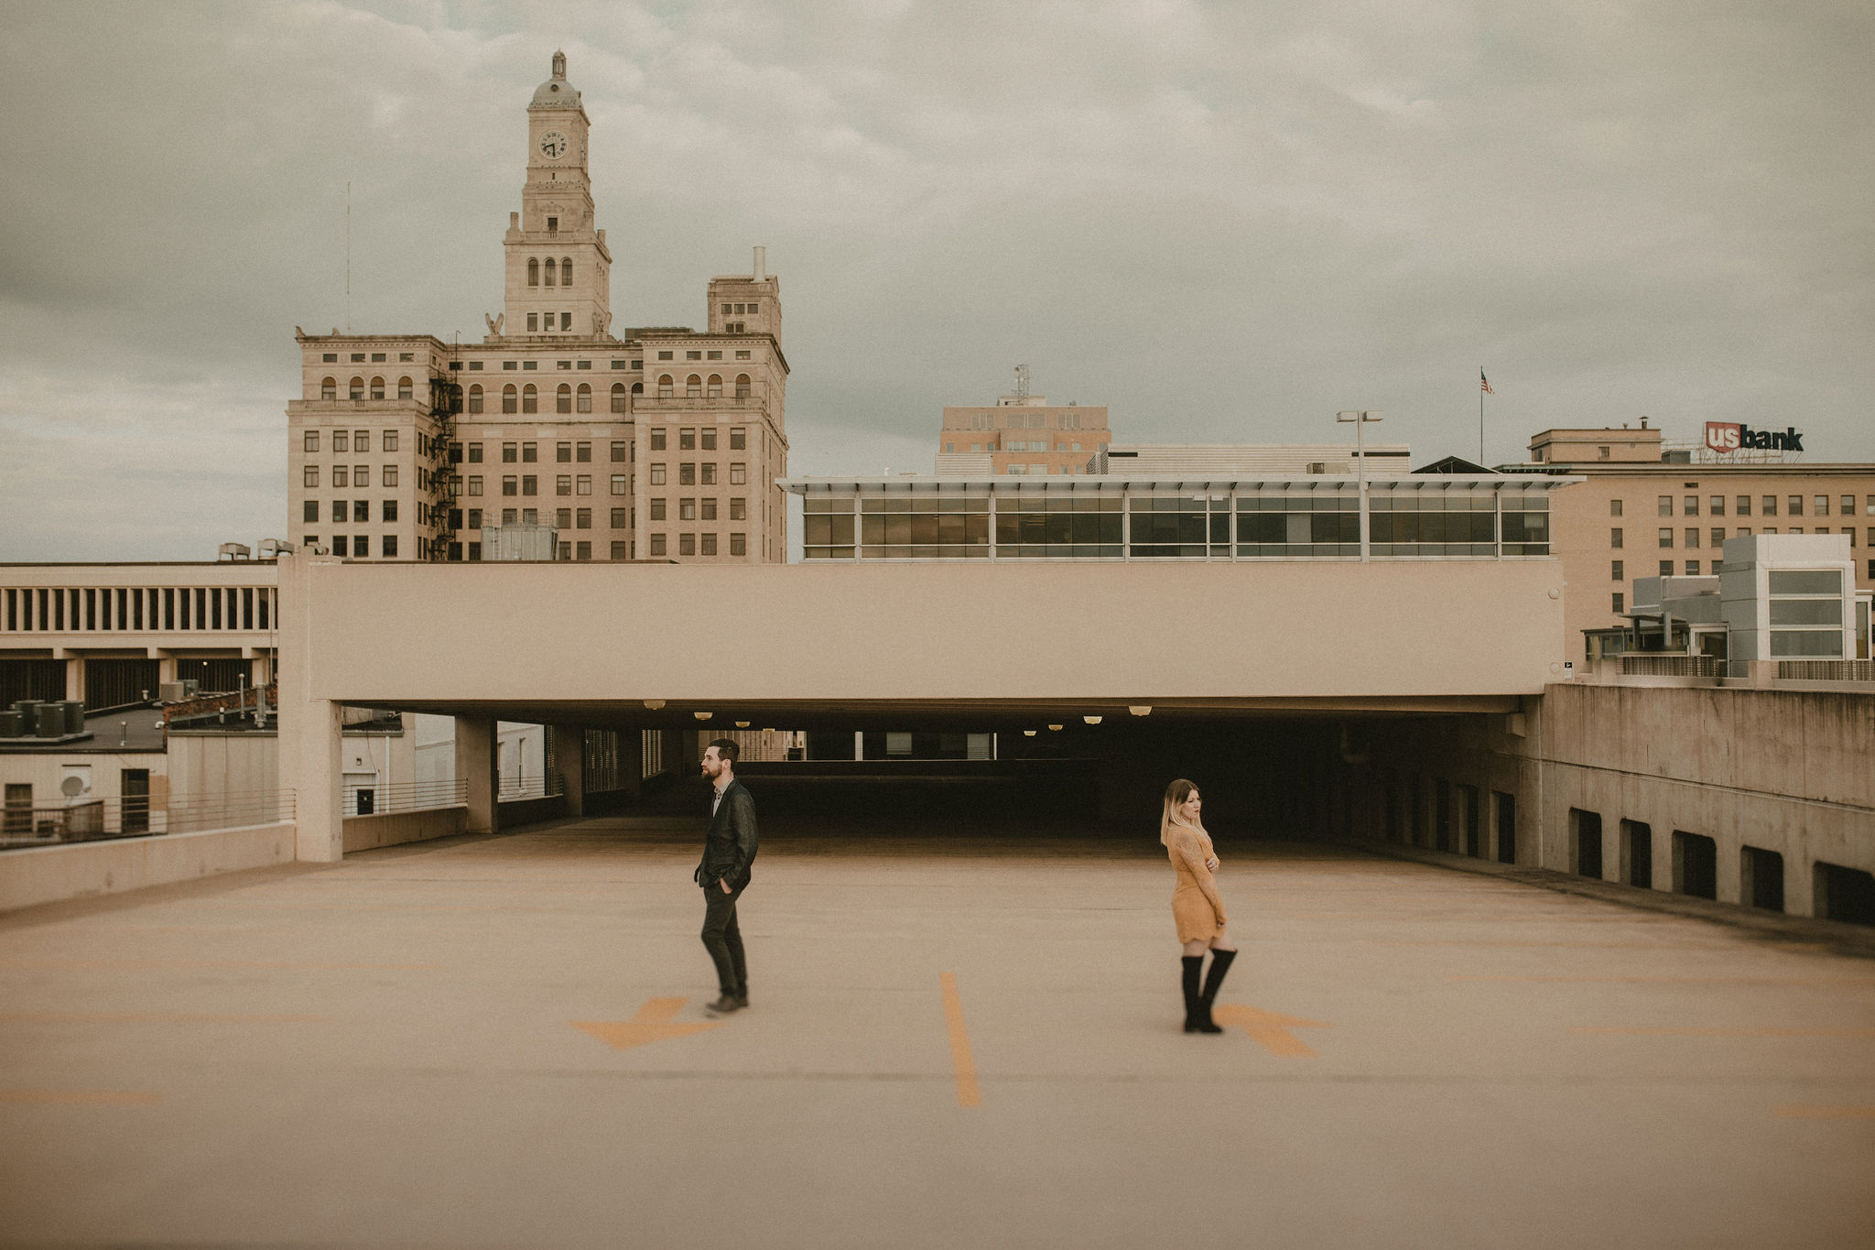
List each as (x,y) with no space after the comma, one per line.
(558,279)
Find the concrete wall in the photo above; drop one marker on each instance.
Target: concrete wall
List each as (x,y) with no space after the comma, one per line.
(206,764)
(1791,772)
(49,874)
(364,833)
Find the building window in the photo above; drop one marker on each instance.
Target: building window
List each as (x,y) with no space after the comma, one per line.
(687,440)
(475,518)
(686,509)
(618,453)
(340,476)
(1666,505)
(533,321)
(686,544)
(530,485)
(738,544)
(356,389)
(361,511)
(377,388)
(361,475)
(582,453)
(563,484)
(585,396)
(657,510)
(475,485)
(621,518)
(618,551)
(1716,505)
(738,509)
(341,440)
(582,519)
(664,355)
(311,512)
(738,473)
(340,512)
(709,473)
(1666,568)
(1744,506)
(510,398)
(713,389)
(618,397)
(618,483)
(582,551)
(533,271)
(530,398)
(738,439)
(563,518)
(1848,505)
(1718,538)
(388,545)
(339,545)
(1666,538)
(1819,506)
(708,509)
(530,453)
(687,474)
(311,441)
(693,385)
(742,379)
(658,440)
(475,398)
(390,441)
(1614,538)
(657,544)
(361,440)
(1768,506)
(709,440)
(709,545)
(1692,505)
(404,388)
(563,453)
(1692,568)
(582,484)
(1692,537)
(510,485)
(1617,572)
(1620,602)
(657,475)
(563,399)
(475,453)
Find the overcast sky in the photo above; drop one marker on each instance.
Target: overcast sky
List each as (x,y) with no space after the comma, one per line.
(1224,222)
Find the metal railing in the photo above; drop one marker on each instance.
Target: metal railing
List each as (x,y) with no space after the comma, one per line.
(403,796)
(92,820)
(1672,666)
(1826,670)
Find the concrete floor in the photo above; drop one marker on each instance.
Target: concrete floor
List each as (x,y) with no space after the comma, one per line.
(383,1052)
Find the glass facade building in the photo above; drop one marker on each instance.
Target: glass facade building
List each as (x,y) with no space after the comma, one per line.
(1314,518)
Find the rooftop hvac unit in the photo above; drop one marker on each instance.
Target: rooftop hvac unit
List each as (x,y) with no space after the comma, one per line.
(28,710)
(236,551)
(272,548)
(10,726)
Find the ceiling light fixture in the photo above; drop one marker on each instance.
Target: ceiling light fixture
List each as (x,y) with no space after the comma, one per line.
(701,715)
(1092,720)
(1140,709)
(1056,728)
(652,705)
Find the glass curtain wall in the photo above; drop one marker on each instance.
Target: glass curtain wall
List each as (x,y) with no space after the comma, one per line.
(1806,613)
(1031,525)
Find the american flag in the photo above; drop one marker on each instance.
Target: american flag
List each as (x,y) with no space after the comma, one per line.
(1484,383)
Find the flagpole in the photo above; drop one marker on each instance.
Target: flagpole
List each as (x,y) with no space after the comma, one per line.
(1480,414)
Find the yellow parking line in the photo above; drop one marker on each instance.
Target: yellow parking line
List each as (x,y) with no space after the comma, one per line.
(969,1094)
(172,965)
(89,1097)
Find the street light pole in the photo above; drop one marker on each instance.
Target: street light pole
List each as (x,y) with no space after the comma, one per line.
(1360,420)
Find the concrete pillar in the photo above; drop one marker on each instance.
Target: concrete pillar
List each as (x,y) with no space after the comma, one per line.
(631,763)
(1800,885)
(310,754)
(569,760)
(476,743)
(74,676)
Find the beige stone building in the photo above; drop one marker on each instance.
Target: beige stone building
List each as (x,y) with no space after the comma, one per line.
(645,443)
(1638,514)
(1022,435)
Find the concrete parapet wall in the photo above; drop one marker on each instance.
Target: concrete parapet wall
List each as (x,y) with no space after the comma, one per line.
(364,833)
(50,874)
(516,812)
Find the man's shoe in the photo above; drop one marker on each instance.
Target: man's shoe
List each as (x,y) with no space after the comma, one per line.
(726,1004)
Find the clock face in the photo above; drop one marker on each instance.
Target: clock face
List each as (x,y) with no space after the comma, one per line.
(553,144)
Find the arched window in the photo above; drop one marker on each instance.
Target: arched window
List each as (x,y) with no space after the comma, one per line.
(403,388)
(664,386)
(549,281)
(638,388)
(585,398)
(377,388)
(566,271)
(358,388)
(329,388)
(475,398)
(533,272)
(742,386)
(693,387)
(509,398)
(530,398)
(618,395)
(563,398)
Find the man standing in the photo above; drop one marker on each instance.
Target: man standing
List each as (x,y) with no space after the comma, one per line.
(723,873)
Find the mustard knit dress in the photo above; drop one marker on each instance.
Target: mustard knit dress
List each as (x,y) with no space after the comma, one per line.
(1197,920)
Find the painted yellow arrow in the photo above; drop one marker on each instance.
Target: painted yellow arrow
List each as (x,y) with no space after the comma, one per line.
(653,1023)
(1269,1029)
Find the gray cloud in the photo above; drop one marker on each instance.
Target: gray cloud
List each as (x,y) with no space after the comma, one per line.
(1222,221)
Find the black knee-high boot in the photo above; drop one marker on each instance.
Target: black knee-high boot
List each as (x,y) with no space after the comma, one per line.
(1220,964)
(1193,967)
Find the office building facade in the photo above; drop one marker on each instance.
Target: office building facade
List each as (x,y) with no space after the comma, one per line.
(648,443)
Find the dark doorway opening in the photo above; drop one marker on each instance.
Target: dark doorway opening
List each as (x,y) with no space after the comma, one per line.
(1637,854)
(1761,878)
(1695,865)
(1585,842)
(1506,805)
(135,789)
(1845,893)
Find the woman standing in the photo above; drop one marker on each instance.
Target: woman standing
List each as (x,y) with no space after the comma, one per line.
(1197,908)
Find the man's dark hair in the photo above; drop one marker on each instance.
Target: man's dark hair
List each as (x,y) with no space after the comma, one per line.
(726,749)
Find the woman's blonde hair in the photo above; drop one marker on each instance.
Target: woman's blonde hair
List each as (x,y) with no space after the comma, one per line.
(1175,796)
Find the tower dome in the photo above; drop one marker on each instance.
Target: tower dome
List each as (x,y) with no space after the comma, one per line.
(556,92)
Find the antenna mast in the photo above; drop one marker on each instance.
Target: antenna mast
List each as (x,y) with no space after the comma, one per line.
(1022,384)
(348,256)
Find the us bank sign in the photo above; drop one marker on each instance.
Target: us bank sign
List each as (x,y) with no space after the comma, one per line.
(1724,436)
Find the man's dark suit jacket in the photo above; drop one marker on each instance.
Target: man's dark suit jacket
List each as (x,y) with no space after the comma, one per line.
(729,850)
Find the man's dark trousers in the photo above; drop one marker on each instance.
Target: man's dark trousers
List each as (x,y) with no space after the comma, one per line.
(723,939)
